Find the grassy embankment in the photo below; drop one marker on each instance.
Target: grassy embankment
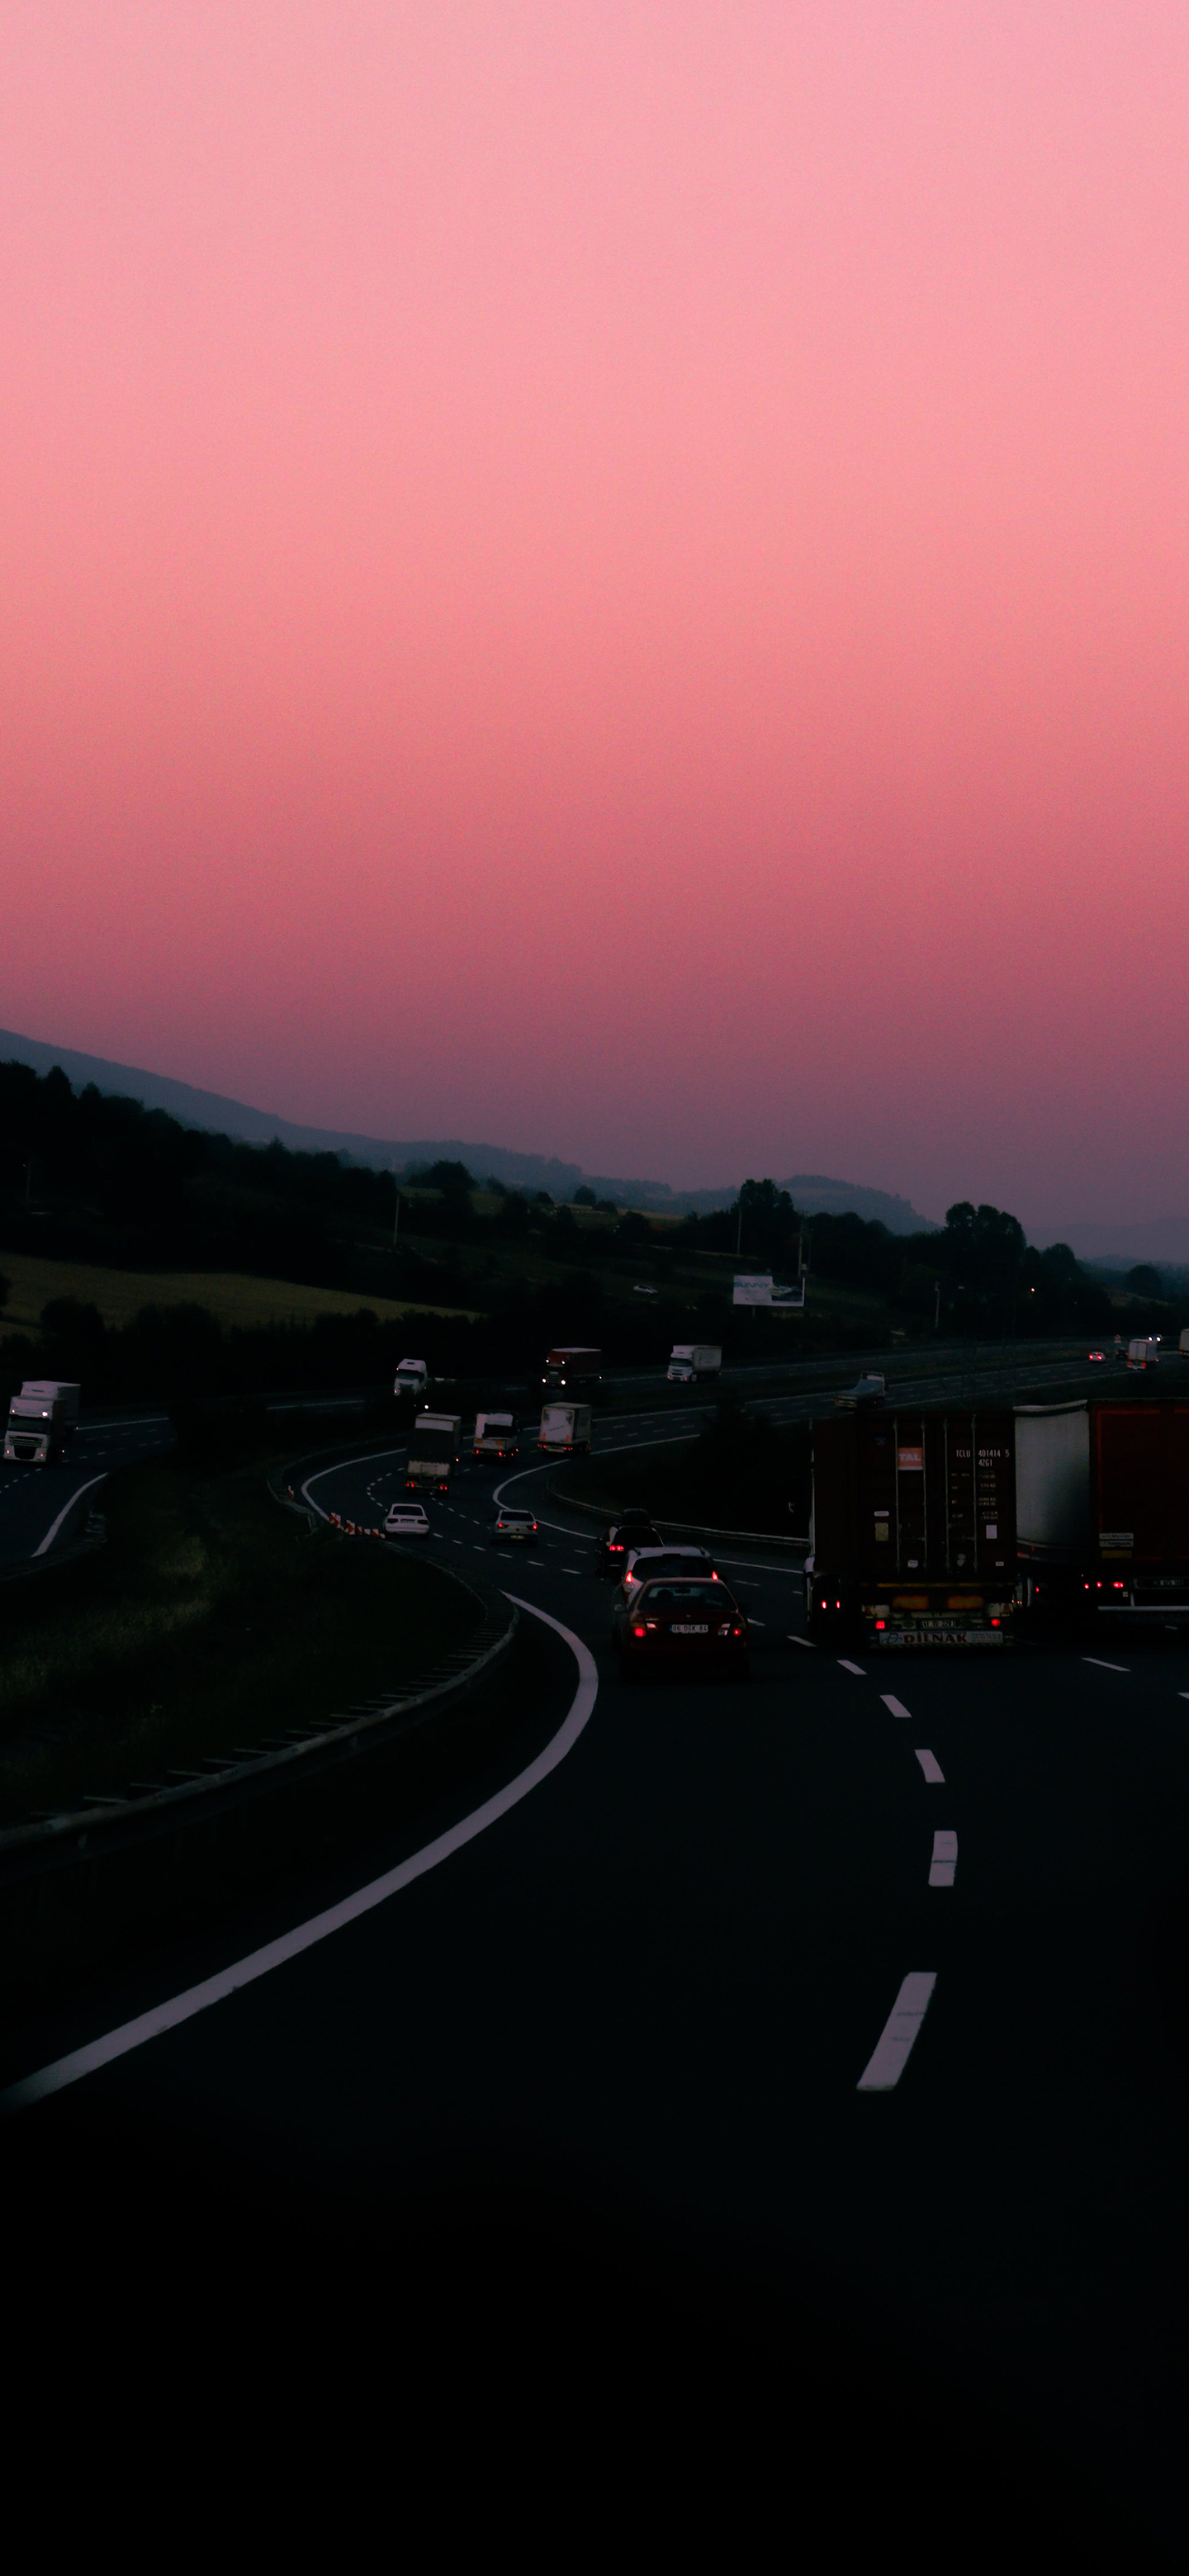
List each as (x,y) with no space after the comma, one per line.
(211,1619)
(232,1297)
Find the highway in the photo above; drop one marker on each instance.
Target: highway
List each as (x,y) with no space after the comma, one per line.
(804,2061)
(43,1509)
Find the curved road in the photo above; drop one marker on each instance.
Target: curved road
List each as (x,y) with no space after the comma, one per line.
(45,1508)
(826,2036)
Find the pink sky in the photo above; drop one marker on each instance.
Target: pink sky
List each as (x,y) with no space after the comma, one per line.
(610,575)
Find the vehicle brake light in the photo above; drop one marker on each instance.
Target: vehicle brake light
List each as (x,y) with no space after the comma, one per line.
(881,1623)
(1119,1587)
(637,1632)
(994,1623)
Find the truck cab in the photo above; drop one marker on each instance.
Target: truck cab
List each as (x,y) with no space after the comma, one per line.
(412,1378)
(36,1432)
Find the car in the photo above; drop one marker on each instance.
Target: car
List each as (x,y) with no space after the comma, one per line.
(871,1388)
(1096,1355)
(644,1562)
(406,1520)
(687,1621)
(513,1527)
(633,1530)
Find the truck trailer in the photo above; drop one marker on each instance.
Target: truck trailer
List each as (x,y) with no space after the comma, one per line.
(432,1452)
(564,1428)
(912,1532)
(1103,1506)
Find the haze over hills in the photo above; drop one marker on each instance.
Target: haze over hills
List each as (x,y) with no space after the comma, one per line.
(814,1192)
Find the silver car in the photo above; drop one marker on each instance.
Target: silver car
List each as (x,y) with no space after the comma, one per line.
(406,1520)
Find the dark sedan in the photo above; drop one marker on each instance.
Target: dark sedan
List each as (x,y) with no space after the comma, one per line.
(633,1530)
(680,1624)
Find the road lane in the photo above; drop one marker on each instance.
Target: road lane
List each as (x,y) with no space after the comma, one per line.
(38,1504)
(662,1985)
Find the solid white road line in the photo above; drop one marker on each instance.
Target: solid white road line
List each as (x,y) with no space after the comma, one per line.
(930,1764)
(337,1469)
(887,2065)
(275,1954)
(852,1668)
(1103,1666)
(894,1705)
(945,1860)
(55,1526)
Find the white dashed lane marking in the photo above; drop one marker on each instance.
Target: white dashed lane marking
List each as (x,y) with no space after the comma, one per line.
(852,1668)
(945,1860)
(794,1640)
(1103,1665)
(930,1764)
(887,2065)
(895,1707)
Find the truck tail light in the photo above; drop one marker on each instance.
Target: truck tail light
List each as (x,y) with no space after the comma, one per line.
(881,1623)
(637,1632)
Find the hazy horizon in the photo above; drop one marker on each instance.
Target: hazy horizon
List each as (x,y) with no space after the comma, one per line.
(612,579)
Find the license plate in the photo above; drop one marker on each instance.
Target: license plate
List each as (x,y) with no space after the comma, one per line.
(679,1631)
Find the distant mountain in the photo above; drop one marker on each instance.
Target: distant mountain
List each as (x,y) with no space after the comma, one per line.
(1160,1239)
(811,1191)
(816,1194)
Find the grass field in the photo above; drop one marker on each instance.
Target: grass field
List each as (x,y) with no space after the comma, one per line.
(212,1618)
(231,1296)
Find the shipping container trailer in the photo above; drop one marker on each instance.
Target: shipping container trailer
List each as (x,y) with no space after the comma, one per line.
(564,1428)
(433,1451)
(572,1364)
(912,1535)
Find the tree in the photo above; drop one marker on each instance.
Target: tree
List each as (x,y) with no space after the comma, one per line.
(585,1197)
(1145,1280)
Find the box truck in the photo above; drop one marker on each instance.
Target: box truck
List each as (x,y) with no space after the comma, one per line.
(496,1435)
(572,1364)
(433,1452)
(912,1531)
(1144,1351)
(564,1428)
(690,1361)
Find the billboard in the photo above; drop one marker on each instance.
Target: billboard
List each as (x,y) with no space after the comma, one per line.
(760,1289)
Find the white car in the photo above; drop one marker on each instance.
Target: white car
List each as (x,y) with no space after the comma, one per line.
(513,1527)
(644,1562)
(406,1520)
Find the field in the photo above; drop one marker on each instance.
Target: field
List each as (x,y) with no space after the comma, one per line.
(232,1297)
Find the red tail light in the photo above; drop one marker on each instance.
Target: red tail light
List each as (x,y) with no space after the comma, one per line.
(881,1623)
(637,1632)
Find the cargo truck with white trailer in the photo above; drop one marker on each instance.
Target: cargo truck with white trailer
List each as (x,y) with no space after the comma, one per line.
(433,1452)
(497,1435)
(565,1428)
(35,1435)
(1103,1506)
(412,1378)
(690,1361)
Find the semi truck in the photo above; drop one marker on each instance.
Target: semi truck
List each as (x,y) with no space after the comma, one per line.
(38,1420)
(432,1452)
(64,1390)
(496,1435)
(1103,1506)
(572,1364)
(912,1530)
(690,1361)
(412,1378)
(564,1428)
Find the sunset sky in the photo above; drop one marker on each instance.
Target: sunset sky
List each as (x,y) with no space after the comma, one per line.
(610,575)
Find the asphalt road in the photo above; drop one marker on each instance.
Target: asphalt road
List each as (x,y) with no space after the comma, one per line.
(44,1508)
(580,2112)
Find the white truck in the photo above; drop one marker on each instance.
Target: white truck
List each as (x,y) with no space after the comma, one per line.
(412,1378)
(564,1428)
(690,1361)
(1144,1351)
(432,1452)
(37,1426)
(496,1435)
(64,1390)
